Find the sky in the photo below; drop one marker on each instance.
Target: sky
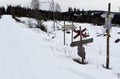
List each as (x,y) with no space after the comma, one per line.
(81,4)
(91,4)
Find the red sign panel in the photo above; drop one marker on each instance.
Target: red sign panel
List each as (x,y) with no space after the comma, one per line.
(79,33)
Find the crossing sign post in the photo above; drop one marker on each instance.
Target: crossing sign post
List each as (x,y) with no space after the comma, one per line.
(79,44)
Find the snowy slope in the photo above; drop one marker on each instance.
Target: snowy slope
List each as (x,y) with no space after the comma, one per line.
(26,54)
(82,4)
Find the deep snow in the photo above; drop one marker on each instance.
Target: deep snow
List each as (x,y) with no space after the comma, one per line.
(27,54)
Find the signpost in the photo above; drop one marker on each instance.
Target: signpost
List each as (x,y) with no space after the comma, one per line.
(68,27)
(81,49)
(108,18)
(108,36)
(79,44)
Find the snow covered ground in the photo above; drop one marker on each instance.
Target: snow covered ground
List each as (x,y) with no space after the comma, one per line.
(32,54)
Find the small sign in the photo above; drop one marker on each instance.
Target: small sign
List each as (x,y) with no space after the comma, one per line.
(78,33)
(77,43)
(108,19)
(68,27)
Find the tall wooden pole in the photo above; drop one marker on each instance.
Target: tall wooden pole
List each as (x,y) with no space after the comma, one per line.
(53,6)
(108,38)
(72,31)
(64,30)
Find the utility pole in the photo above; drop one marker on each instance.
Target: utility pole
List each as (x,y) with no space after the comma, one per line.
(108,38)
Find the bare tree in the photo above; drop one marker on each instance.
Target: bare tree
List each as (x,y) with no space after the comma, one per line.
(57,7)
(56,10)
(54,7)
(35,4)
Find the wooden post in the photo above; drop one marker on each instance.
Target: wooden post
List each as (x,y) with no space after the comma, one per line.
(80,36)
(53,14)
(72,31)
(64,30)
(81,44)
(108,39)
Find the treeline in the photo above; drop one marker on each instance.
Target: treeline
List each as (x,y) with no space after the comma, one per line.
(32,13)
(75,15)
(2,11)
(85,16)
(71,15)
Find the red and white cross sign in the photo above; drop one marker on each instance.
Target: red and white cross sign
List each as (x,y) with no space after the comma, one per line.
(78,33)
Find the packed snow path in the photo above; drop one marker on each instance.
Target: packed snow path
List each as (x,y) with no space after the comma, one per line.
(24,57)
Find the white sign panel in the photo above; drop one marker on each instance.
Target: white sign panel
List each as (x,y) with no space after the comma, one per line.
(68,27)
(108,19)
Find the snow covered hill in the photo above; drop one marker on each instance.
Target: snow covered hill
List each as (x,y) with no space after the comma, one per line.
(27,54)
(81,4)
